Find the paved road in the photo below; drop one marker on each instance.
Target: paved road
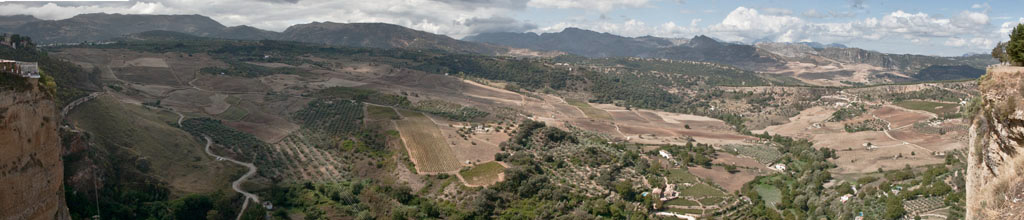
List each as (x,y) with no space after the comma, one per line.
(237,184)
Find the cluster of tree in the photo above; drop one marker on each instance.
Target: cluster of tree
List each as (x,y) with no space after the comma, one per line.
(691,154)
(526,73)
(851,111)
(362,199)
(923,94)
(802,186)
(1011,51)
(866,125)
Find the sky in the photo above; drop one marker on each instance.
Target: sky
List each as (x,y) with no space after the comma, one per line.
(930,27)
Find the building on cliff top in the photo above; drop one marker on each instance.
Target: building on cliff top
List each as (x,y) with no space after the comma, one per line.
(23,69)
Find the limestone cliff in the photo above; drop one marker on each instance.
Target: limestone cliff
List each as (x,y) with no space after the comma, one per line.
(31,170)
(995,182)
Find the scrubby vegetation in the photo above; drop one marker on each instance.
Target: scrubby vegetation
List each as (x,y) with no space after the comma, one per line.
(847,112)
(866,125)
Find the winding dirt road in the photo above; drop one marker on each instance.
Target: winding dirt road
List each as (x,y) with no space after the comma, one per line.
(237,184)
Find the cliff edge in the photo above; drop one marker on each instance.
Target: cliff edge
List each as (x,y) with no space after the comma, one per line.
(31,170)
(995,182)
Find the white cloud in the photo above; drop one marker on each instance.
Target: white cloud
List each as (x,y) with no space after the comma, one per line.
(52,11)
(628,28)
(1006,27)
(744,24)
(955,42)
(600,5)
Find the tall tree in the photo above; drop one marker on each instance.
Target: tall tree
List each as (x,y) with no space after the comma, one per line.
(1015,48)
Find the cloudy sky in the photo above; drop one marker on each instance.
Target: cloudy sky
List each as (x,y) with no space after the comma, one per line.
(933,27)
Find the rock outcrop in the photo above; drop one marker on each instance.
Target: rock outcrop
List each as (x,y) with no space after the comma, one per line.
(995,182)
(31,170)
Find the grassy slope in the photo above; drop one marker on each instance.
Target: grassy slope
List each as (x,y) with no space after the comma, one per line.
(174,155)
(929,106)
(590,111)
(380,113)
(482,173)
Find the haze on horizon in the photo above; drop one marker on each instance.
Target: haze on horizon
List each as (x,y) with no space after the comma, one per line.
(946,27)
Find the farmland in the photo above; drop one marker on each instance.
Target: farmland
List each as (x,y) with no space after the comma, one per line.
(331,116)
(681,176)
(296,160)
(768,193)
(939,108)
(381,113)
(482,174)
(763,154)
(234,113)
(449,110)
(588,110)
(426,146)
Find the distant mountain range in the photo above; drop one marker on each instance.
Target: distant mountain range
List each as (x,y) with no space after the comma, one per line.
(101,27)
(762,56)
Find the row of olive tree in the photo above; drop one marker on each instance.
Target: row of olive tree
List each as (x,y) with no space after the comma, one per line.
(1012,51)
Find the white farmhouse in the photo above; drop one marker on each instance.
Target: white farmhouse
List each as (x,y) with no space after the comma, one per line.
(665,154)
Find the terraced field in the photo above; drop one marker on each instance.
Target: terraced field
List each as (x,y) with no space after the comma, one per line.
(425,144)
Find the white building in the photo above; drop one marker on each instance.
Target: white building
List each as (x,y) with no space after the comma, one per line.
(845,198)
(778,166)
(665,154)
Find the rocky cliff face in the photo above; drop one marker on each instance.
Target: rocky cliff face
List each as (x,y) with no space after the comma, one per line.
(995,182)
(31,170)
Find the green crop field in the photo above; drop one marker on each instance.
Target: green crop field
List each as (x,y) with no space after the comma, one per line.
(687,211)
(588,110)
(933,107)
(769,193)
(762,154)
(681,176)
(698,190)
(381,113)
(234,113)
(711,200)
(483,174)
(681,202)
